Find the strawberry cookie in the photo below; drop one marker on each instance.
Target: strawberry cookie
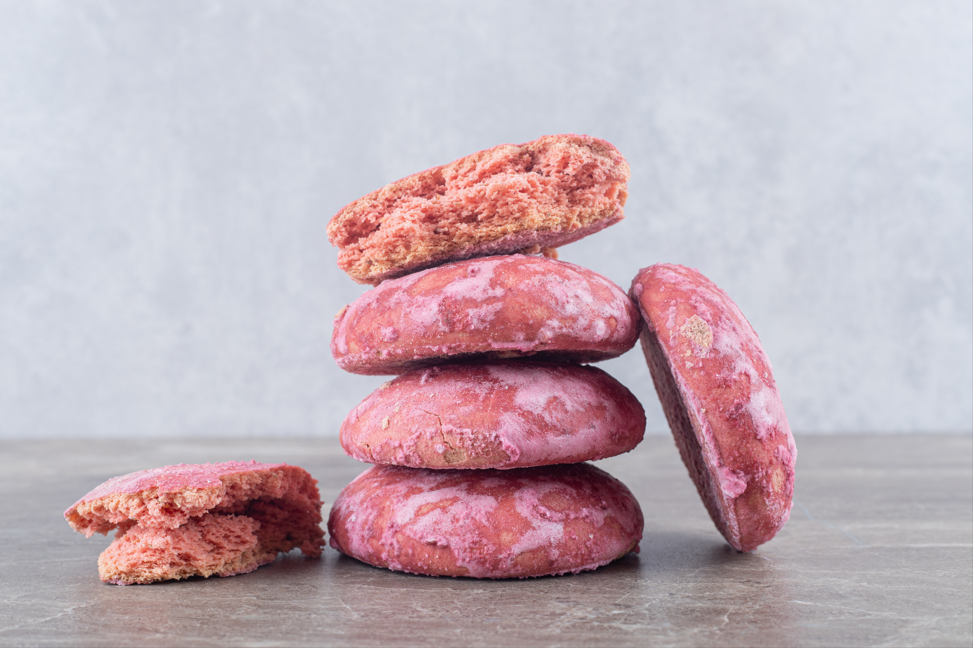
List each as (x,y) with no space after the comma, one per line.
(500,415)
(497,307)
(486,523)
(721,401)
(535,196)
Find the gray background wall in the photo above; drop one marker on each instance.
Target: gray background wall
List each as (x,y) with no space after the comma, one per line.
(167,171)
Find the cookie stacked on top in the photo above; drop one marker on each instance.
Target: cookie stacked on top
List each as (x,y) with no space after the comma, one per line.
(480,440)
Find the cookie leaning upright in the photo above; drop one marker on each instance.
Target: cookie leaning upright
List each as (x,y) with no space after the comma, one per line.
(718,392)
(543,194)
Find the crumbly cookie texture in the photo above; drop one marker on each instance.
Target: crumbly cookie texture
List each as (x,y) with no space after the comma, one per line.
(498,415)
(718,392)
(200,520)
(495,307)
(486,523)
(529,197)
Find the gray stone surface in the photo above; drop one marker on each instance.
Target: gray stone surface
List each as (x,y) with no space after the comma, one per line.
(879,551)
(168,168)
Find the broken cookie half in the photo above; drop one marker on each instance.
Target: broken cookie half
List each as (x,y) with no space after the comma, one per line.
(528,198)
(200,519)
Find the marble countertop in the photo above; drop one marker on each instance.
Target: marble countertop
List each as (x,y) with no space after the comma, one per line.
(878,551)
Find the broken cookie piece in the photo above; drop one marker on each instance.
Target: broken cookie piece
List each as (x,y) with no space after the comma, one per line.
(200,519)
(534,196)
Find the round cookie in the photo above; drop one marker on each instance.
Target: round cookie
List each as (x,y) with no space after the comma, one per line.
(486,523)
(721,401)
(497,307)
(199,520)
(542,194)
(500,415)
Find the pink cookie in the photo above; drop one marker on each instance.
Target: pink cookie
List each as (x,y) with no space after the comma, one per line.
(199,520)
(503,415)
(542,194)
(498,307)
(486,523)
(716,387)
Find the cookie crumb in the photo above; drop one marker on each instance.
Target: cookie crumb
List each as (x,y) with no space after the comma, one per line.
(698,331)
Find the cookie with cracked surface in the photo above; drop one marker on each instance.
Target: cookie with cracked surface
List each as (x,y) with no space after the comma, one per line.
(498,415)
(200,520)
(539,195)
(495,307)
(486,523)
(718,392)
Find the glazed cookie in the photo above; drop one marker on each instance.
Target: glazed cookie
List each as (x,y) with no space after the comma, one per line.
(719,395)
(486,523)
(501,415)
(199,520)
(538,195)
(497,307)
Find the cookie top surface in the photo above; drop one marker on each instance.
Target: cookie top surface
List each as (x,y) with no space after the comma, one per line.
(496,415)
(542,194)
(717,389)
(486,523)
(173,478)
(170,495)
(495,307)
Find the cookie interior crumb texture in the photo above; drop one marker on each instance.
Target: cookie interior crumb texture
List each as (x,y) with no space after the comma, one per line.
(200,520)
(534,196)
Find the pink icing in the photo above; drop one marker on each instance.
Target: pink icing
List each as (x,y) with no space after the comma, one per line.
(172,478)
(486,524)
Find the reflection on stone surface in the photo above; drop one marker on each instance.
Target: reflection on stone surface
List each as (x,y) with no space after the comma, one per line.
(878,551)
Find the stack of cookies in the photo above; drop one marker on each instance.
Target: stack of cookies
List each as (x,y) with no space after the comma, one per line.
(480,440)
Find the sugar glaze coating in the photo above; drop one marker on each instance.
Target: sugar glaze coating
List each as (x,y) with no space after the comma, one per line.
(496,415)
